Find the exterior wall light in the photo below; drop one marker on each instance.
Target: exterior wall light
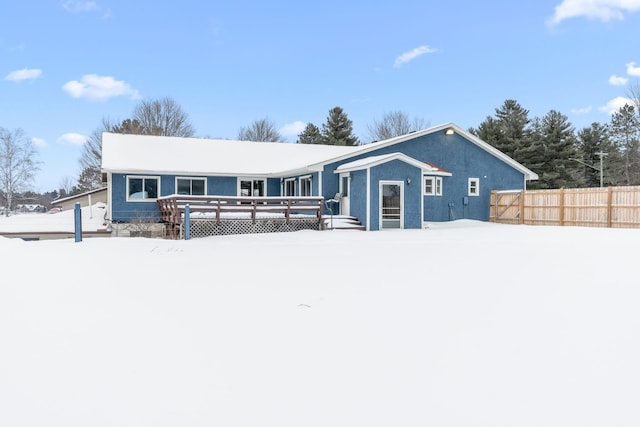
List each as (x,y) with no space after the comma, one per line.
(449,131)
(408,181)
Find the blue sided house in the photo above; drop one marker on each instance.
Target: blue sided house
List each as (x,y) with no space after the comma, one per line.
(442,173)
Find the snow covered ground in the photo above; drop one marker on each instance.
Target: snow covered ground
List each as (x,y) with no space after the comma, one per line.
(93,219)
(462,324)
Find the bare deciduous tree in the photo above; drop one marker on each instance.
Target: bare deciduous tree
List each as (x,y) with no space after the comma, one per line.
(91,157)
(393,124)
(66,186)
(634,94)
(263,130)
(17,164)
(163,117)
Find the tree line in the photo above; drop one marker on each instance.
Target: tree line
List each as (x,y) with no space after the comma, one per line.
(600,154)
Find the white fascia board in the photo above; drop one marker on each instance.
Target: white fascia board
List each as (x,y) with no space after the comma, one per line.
(296,172)
(379,160)
(436,173)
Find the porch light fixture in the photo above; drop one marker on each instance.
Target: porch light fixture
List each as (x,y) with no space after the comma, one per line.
(408,181)
(449,131)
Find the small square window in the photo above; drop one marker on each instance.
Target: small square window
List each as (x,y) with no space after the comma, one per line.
(474,186)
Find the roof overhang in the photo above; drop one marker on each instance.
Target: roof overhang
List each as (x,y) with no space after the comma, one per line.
(372,161)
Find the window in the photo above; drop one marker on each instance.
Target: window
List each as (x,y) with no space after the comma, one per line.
(474,186)
(345,186)
(433,186)
(305,186)
(252,187)
(289,187)
(142,187)
(191,186)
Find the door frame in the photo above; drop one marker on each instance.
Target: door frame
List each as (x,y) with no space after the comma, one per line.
(381,184)
(345,206)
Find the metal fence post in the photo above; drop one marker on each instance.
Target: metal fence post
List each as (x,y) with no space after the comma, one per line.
(187,222)
(78,222)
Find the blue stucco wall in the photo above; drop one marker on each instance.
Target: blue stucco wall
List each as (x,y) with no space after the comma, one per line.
(273,187)
(124,211)
(397,170)
(222,186)
(358,196)
(463,159)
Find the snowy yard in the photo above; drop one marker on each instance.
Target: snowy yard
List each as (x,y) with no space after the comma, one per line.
(463,324)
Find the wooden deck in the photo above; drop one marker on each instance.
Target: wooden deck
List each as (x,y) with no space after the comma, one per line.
(225,209)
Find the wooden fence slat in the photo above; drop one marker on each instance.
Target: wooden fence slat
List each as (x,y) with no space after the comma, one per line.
(594,207)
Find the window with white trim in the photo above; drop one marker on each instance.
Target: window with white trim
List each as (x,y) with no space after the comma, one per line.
(345,186)
(191,186)
(142,188)
(252,187)
(433,186)
(305,186)
(289,187)
(474,186)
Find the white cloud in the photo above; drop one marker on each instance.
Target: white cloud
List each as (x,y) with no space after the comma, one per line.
(92,86)
(618,81)
(583,110)
(39,142)
(73,138)
(632,70)
(604,10)
(615,104)
(411,55)
(76,6)
(24,74)
(293,129)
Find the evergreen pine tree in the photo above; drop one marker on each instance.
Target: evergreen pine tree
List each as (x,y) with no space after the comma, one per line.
(559,143)
(512,120)
(531,153)
(310,135)
(338,130)
(591,141)
(489,131)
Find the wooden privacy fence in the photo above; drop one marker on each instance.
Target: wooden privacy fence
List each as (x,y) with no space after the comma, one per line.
(616,207)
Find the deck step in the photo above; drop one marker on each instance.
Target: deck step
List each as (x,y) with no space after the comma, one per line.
(343,222)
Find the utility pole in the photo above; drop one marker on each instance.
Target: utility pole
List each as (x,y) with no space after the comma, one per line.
(601,169)
(601,154)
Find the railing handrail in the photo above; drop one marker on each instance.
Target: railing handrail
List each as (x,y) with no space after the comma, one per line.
(172,207)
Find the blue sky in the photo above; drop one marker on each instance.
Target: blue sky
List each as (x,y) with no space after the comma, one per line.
(67,64)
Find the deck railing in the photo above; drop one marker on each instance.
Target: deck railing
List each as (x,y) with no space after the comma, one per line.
(230,208)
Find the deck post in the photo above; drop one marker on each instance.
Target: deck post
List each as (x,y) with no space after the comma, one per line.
(77,215)
(187,222)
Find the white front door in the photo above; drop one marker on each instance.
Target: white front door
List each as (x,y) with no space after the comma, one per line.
(391,205)
(344,192)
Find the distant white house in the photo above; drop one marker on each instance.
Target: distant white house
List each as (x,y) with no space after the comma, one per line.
(88,198)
